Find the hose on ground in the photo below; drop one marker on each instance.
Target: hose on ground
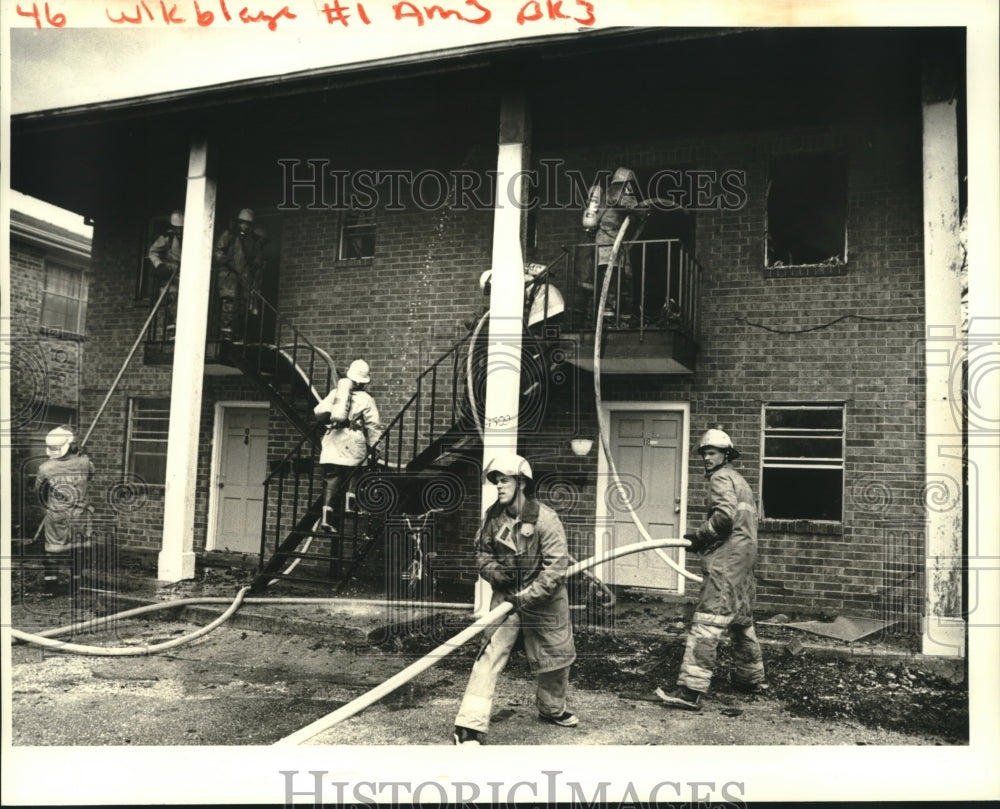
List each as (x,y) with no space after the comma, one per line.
(131,651)
(94,623)
(440,652)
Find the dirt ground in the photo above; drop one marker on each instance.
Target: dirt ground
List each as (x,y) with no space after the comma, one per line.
(240,687)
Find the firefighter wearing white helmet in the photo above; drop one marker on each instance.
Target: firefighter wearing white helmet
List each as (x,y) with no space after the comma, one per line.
(727,542)
(604,215)
(165,256)
(353,427)
(521,552)
(542,300)
(239,273)
(61,483)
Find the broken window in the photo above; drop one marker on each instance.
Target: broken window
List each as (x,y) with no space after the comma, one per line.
(64,299)
(357,235)
(802,462)
(146,439)
(807,210)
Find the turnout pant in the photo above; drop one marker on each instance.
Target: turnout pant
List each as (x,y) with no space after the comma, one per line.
(702,645)
(477,704)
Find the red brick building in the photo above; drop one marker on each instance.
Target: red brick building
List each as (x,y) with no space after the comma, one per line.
(797,181)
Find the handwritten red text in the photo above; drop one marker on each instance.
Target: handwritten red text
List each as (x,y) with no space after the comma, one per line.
(533,11)
(338,13)
(407,10)
(205,16)
(56,20)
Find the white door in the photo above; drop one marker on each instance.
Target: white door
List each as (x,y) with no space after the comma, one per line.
(241,468)
(648,449)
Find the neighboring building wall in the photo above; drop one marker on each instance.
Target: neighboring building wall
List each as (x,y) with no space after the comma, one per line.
(45,364)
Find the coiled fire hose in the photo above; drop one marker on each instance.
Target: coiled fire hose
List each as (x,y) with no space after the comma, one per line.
(440,652)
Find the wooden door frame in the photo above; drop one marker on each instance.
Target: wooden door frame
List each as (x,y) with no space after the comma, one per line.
(213,491)
(604,473)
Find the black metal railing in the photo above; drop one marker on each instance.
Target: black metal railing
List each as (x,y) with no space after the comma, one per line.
(658,288)
(293,491)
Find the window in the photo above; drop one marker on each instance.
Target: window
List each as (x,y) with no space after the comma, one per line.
(146,439)
(64,299)
(807,210)
(357,235)
(802,466)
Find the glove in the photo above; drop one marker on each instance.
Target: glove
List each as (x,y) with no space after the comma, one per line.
(495,574)
(697,543)
(513,601)
(323,418)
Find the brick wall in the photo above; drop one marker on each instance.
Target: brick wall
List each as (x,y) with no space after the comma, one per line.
(406,305)
(874,365)
(44,382)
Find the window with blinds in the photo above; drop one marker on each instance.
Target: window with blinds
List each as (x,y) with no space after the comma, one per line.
(802,461)
(146,440)
(64,299)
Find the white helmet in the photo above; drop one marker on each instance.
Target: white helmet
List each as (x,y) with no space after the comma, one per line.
(58,442)
(509,464)
(359,372)
(484,281)
(720,440)
(177,219)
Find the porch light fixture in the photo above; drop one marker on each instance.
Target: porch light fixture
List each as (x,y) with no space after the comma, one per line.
(581,446)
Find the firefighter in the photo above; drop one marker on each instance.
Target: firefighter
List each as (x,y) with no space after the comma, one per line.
(61,484)
(352,427)
(165,256)
(239,273)
(521,552)
(603,218)
(727,542)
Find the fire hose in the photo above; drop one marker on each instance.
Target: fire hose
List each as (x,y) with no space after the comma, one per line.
(443,650)
(603,426)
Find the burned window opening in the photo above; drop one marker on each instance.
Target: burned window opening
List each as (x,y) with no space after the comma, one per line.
(807,210)
(357,235)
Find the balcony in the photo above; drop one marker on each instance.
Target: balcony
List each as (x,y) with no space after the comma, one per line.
(650,322)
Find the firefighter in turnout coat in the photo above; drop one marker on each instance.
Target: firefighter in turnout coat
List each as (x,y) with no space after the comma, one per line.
(353,427)
(165,256)
(61,483)
(521,552)
(727,542)
(239,272)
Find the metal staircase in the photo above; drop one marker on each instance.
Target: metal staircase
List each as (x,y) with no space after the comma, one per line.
(406,472)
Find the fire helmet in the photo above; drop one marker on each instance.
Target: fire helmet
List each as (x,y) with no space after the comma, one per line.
(359,372)
(245,215)
(177,219)
(509,464)
(58,442)
(623,186)
(720,440)
(484,281)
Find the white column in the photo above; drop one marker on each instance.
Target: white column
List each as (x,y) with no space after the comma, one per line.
(177,559)
(503,381)
(943,625)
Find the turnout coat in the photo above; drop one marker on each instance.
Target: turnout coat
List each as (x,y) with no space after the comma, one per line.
(730,530)
(346,442)
(527,557)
